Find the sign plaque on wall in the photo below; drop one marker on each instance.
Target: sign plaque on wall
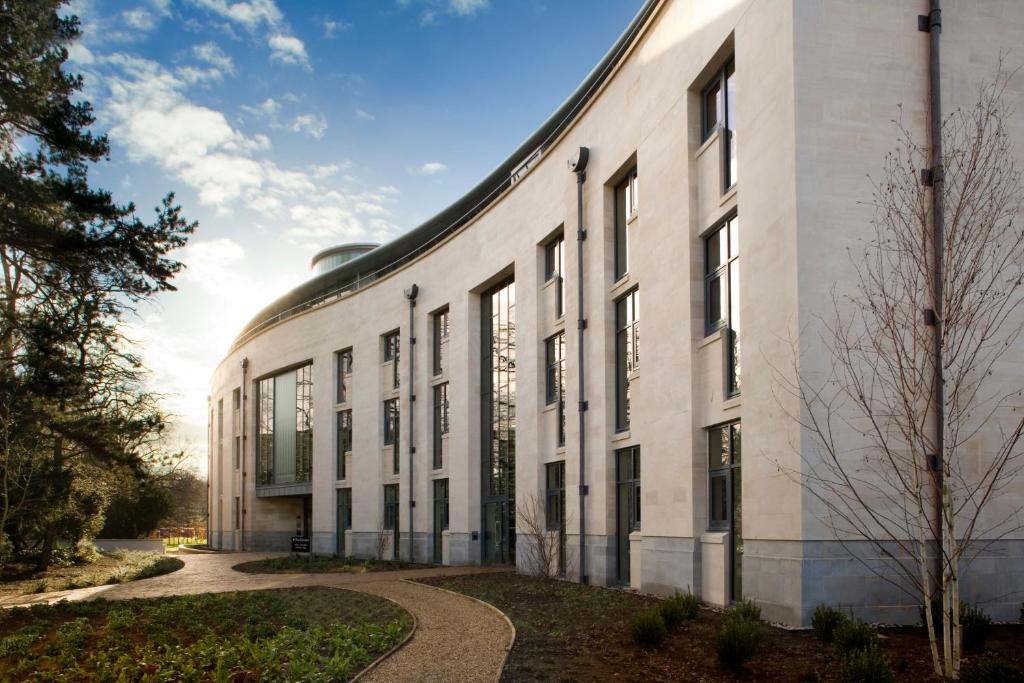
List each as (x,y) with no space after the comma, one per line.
(300,544)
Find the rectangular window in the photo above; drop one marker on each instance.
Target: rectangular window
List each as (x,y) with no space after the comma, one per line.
(554,495)
(722,292)
(392,352)
(391,428)
(441,503)
(723,473)
(344,436)
(719,112)
(344,516)
(441,332)
(343,367)
(440,422)
(627,352)
(284,427)
(391,508)
(554,269)
(220,433)
(625,208)
(628,480)
(554,379)
(237,509)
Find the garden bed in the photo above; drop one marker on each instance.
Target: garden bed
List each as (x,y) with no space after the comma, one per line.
(320,564)
(569,632)
(274,635)
(98,569)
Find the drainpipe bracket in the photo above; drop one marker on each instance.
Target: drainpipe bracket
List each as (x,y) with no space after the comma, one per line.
(584,490)
(581,235)
(930,21)
(582,324)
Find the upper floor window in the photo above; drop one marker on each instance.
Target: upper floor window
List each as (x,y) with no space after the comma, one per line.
(554,379)
(441,333)
(236,426)
(554,269)
(344,436)
(391,508)
(440,422)
(284,427)
(722,292)
(392,351)
(719,111)
(344,379)
(554,495)
(627,352)
(625,208)
(391,429)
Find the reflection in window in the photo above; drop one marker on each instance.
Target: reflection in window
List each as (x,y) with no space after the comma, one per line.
(627,353)
(284,427)
(722,292)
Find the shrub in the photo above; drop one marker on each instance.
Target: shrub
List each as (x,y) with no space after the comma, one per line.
(825,620)
(678,608)
(853,635)
(976,626)
(648,628)
(990,670)
(866,666)
(747,609)
(738,639)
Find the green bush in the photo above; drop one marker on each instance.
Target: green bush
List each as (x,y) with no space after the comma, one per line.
(648,628)
(738,639)
(825,620)
(678,608)
(976,626)
(866,666)
(747,609)
(990,670)
(853,635)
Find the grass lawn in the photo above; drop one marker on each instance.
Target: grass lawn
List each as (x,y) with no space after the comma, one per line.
(568,632)
(299,634)
(104,568)
(316,564)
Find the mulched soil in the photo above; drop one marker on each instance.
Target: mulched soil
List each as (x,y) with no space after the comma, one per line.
(568,632)
(321,564)
(20,578)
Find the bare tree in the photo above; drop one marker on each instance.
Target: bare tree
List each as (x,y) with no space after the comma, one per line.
(544,549)
(878,470)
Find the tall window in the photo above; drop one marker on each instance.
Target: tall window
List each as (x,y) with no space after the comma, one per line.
(236,426)
(392,351)
(344,517)
(722,294)
(284,427)
(441,332)
(391,428)
(391,509)
(441,503)
(625,208)
(627,352)
(344,435)
(719,111)
(440,422)
(237,509)
(554,270)
(343,367)
(220,433)
(554,379)
(627,505)
(725,492)
(554,495)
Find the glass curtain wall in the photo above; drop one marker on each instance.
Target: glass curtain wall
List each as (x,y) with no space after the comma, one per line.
(284,427)
(499,423)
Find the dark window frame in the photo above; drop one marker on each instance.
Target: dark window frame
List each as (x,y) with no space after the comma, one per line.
(343,376)
(554,379)
(723,117)
(343,427)
(554,496)
(391,497)
(393,428)
(726,274)
(627,352)
(441,502)
(628,476)
(441,422)
(393,354)
(441,325)
(554,269)
(723,471)
(626,207)
(344,509)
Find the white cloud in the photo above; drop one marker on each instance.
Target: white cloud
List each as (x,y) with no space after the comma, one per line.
(211,53)
(268,108)
(430,168)
(332,26)
(251,15)
(288,50)
(139,19)
(467,7)
(365,115)
(80,54)
(313,124)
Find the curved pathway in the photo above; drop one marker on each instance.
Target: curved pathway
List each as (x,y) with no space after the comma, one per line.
(456,639)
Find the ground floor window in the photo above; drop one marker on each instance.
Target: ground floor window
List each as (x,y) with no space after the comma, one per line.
(390,507)
(725,495)
(627,502)
(344,517)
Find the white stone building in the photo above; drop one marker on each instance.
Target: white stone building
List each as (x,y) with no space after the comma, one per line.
(729,146)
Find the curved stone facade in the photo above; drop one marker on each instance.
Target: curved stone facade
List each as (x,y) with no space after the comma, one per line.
(809,104)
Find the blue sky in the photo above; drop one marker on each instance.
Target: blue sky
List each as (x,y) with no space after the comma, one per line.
(286,127)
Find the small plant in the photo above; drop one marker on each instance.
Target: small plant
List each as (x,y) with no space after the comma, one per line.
(738,639)
(678,608)
(648,628)
(976,626)
(747,609)
(853,635)
(990,670)
(866,666)
(825,620)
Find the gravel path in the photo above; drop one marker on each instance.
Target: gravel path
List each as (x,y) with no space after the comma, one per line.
(457,638)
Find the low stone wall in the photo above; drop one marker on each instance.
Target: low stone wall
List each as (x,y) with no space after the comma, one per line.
(149,545)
